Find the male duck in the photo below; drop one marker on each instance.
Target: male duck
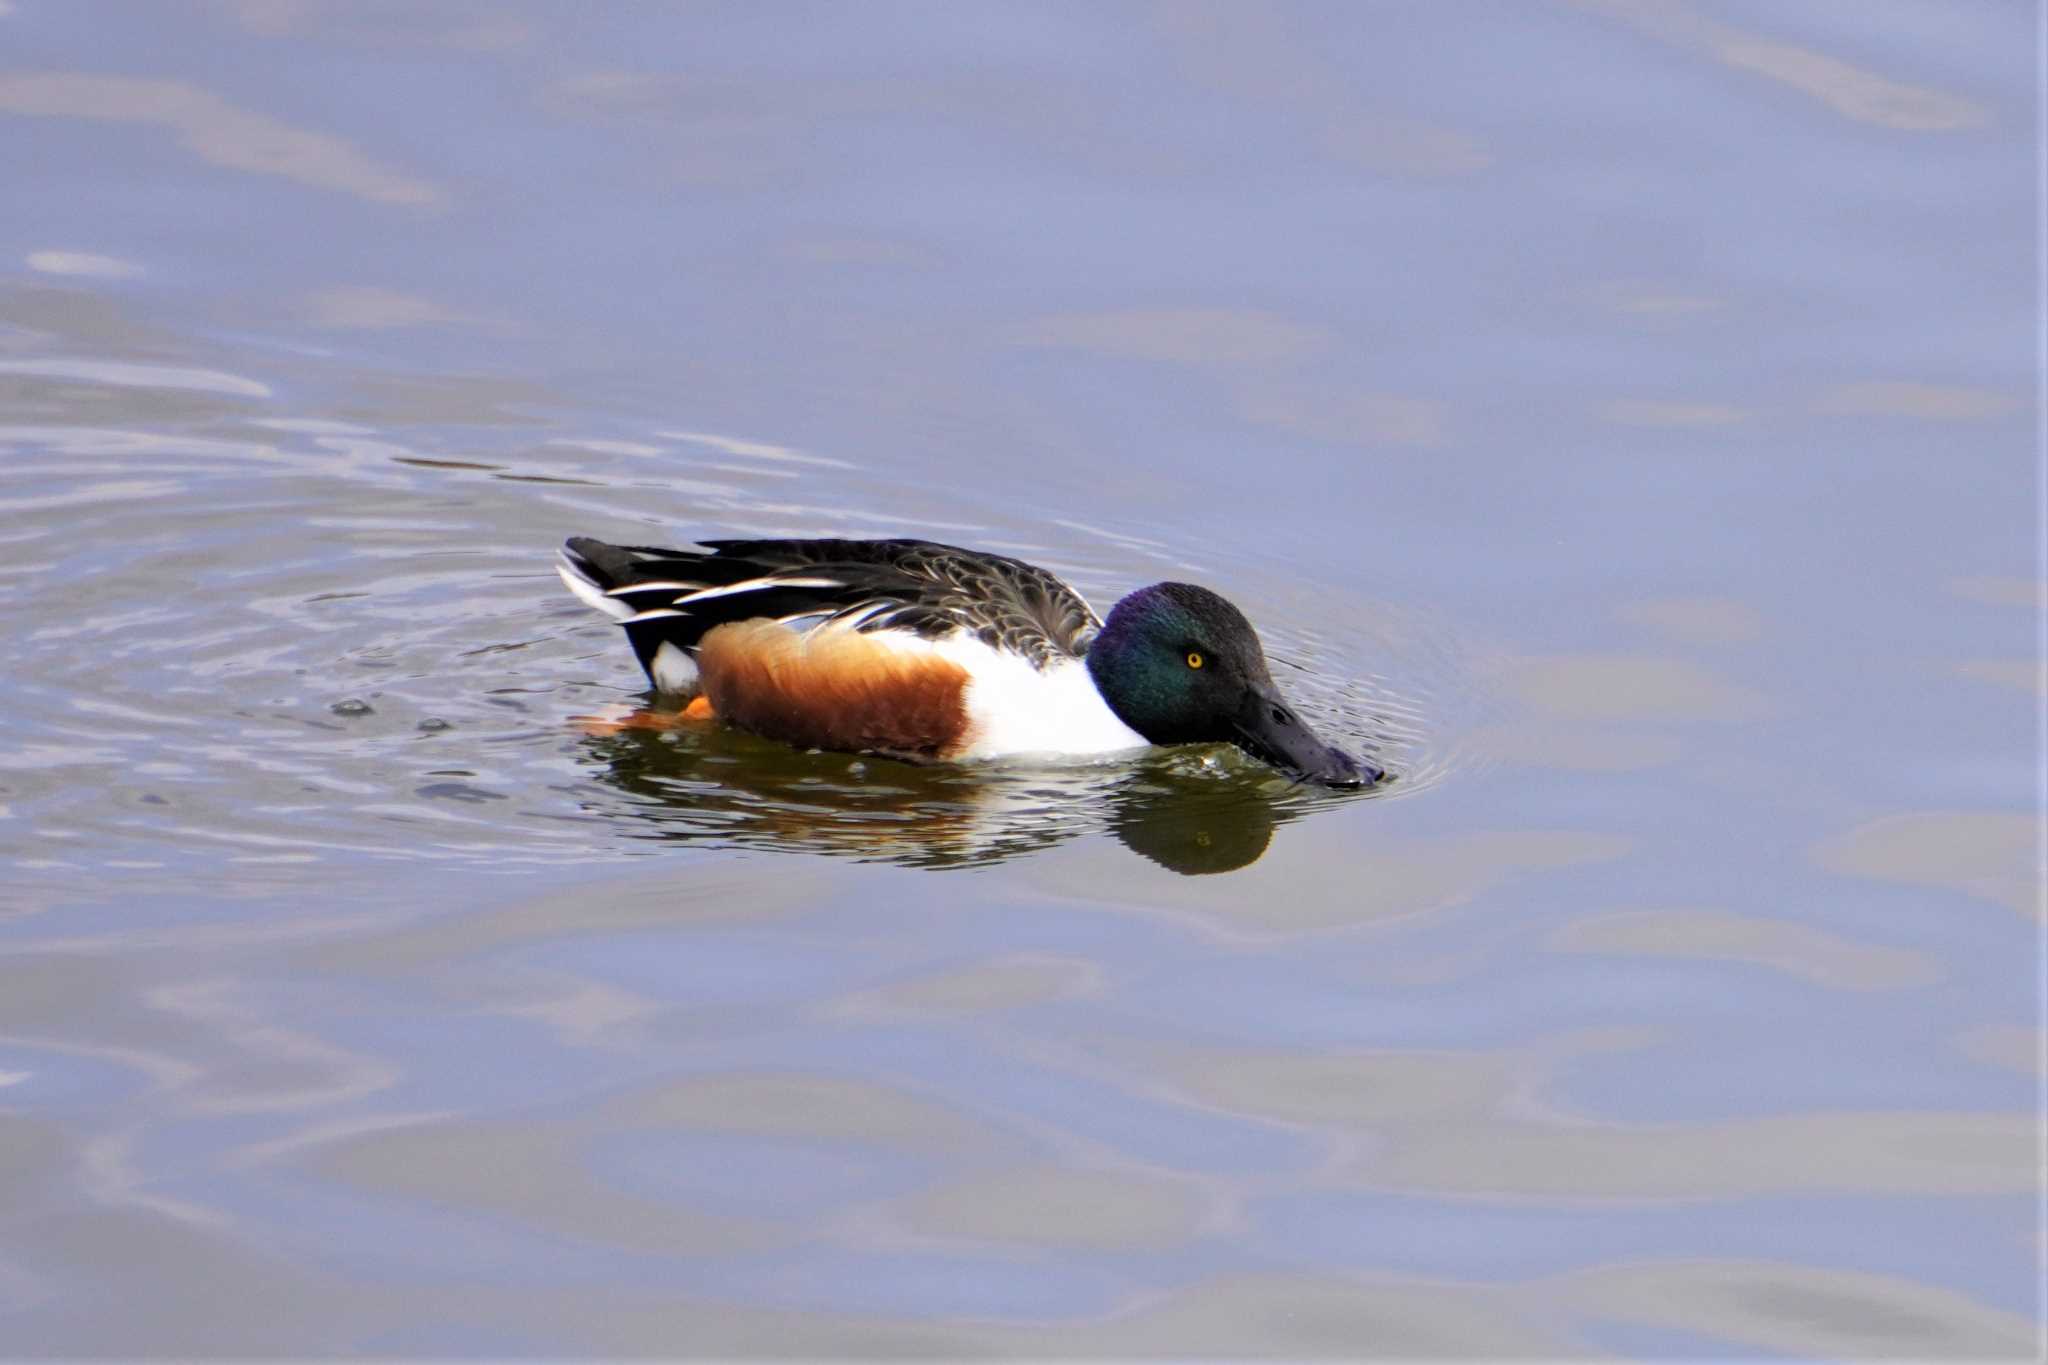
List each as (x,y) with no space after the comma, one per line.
(928,652)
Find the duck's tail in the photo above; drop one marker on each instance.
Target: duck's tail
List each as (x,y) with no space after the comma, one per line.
(663,639)
(667,599)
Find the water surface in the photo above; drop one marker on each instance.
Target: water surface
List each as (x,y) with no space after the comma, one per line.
(1619,414)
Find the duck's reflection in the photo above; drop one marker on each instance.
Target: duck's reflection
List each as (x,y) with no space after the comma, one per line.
(1192,811)
(1195,824)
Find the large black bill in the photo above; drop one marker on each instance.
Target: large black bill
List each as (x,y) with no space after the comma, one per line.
(1267,728)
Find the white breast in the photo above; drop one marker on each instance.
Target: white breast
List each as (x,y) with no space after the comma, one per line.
(1015,709)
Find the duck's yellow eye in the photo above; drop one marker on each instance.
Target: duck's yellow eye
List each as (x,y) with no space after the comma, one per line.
(1194,658)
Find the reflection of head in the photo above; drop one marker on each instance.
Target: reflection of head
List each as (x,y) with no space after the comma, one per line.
(1196,833)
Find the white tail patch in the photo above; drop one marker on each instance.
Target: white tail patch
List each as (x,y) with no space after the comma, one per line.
(672,670)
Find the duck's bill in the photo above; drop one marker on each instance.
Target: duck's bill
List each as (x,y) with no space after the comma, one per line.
(1268,729)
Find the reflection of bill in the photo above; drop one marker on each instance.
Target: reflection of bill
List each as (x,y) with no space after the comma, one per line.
(1190,811)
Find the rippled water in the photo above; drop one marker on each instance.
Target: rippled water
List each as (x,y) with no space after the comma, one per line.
(1618,416)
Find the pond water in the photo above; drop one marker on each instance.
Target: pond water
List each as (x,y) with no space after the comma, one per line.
(1619,415)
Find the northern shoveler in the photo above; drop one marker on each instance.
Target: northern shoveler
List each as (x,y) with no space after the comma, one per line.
(930,652)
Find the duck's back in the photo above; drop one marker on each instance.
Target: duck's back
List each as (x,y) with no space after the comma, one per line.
(908,647)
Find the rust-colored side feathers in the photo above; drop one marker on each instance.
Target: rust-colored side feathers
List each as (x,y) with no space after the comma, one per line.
(833,688)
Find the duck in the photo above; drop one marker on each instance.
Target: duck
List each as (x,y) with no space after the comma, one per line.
(931,653)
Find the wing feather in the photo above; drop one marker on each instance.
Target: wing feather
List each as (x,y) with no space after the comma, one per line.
(674,596)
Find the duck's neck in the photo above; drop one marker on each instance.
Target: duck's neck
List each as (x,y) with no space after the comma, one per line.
(1111,664)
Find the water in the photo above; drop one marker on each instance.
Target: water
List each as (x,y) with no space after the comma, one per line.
(1620,414)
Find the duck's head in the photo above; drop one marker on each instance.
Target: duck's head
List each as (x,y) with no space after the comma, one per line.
(1180,665)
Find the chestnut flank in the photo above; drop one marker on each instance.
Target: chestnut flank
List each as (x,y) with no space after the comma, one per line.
(833,689)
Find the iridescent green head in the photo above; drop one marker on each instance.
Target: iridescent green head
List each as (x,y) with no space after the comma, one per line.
(1180,665)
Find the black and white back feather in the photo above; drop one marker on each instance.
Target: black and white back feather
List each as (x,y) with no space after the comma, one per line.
(667,597)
